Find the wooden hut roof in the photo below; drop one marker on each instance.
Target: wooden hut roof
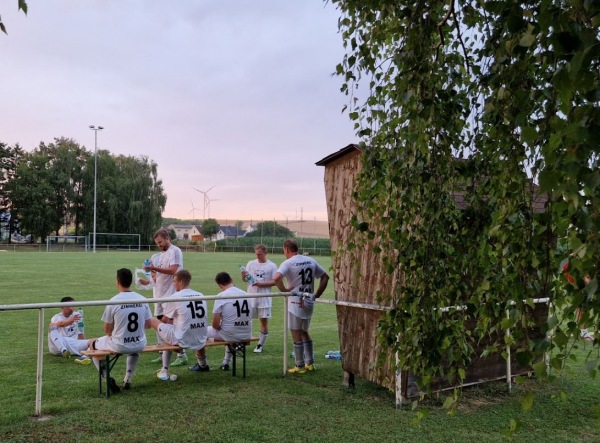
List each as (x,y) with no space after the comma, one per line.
(539,199)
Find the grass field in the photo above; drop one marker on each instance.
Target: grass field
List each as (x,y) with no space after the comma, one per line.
(214,406)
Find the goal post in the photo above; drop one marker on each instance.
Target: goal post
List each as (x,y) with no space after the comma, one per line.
(62,243)
(114,240)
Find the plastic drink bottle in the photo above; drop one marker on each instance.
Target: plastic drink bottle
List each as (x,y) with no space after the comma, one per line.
(249,279)
(80,325)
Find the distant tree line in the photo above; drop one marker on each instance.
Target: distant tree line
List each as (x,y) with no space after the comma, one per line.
(53,186)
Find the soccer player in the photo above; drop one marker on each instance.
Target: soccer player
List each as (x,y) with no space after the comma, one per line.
(263,271)
(164,267)
(124,327)
(63,336)
(300,272)
(231,318)
(183,323)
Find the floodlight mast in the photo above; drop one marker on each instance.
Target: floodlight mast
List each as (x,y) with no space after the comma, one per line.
(95,129)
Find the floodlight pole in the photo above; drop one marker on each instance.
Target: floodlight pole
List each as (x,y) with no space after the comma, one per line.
(95,129)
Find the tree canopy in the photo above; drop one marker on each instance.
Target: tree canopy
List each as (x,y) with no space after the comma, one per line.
(210,227)
(496,102)
(53,186)
(270,229)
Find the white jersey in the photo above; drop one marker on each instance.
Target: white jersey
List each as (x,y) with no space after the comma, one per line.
(163,287)
(300,272)
(189,319)
(66,331)
(261,272)
(236,322)
(128,320)
(69,336)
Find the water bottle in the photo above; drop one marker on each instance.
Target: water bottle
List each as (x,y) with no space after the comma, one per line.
(147,262)
(249,278)
(333,355)
(80,326)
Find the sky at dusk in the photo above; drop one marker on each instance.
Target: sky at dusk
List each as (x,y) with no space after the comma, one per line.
(233,95)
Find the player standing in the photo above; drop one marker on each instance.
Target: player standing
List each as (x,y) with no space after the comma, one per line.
(300,272)
(165,266)
(263,271)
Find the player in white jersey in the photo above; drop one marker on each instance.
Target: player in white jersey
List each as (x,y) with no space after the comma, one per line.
(163,268)
(300,272)
(231,318)
(183,323)
(63,336)
(262,271)
(124,327)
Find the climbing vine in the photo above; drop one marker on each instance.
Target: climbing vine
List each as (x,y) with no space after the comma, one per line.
(480,127)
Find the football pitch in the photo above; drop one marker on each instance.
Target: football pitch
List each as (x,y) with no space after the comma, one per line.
(214,406)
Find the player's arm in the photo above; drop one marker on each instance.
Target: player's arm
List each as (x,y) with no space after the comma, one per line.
(216,322)
(322,285)
(108,328)
(61,324)
(166,319)
(148,323)
(170,270)
(278,280)
(265,284)
(245,272)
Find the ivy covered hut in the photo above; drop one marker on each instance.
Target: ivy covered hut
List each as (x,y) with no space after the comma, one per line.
(364,291)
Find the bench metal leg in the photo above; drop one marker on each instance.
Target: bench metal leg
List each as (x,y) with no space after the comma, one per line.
(238,349)
(106,366)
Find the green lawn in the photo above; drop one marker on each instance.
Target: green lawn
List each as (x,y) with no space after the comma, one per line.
(217,407)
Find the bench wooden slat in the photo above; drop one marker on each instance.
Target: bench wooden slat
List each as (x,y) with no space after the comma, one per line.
(111,357)
(151,348)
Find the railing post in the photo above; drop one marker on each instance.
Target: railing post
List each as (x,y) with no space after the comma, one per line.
(40,365)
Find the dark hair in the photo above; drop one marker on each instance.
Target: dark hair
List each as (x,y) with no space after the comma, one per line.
(184,276)
(223,278)
(162,232)
(66,299)
(124,277)
(291,245)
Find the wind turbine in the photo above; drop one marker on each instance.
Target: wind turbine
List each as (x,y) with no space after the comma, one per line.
(193,210)
(206,200)
(208,204)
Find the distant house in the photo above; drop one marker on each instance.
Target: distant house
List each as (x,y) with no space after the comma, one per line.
(187,232)
(229,232)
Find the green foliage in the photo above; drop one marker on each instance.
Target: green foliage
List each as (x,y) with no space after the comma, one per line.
(270,229)
(476,103)
(22,5)
(54,185)
(210,227)
(172,234)
(312,246)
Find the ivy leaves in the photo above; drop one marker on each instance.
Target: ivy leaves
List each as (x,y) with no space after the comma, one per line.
(468,108)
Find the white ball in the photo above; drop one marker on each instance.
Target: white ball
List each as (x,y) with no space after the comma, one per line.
(173,377)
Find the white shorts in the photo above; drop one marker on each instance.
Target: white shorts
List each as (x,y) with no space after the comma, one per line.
(297,323)
(261,312)
(167,333)
(106,343)
(74,346)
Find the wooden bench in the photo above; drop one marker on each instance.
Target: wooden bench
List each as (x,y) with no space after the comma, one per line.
(110,358)
(238,349)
